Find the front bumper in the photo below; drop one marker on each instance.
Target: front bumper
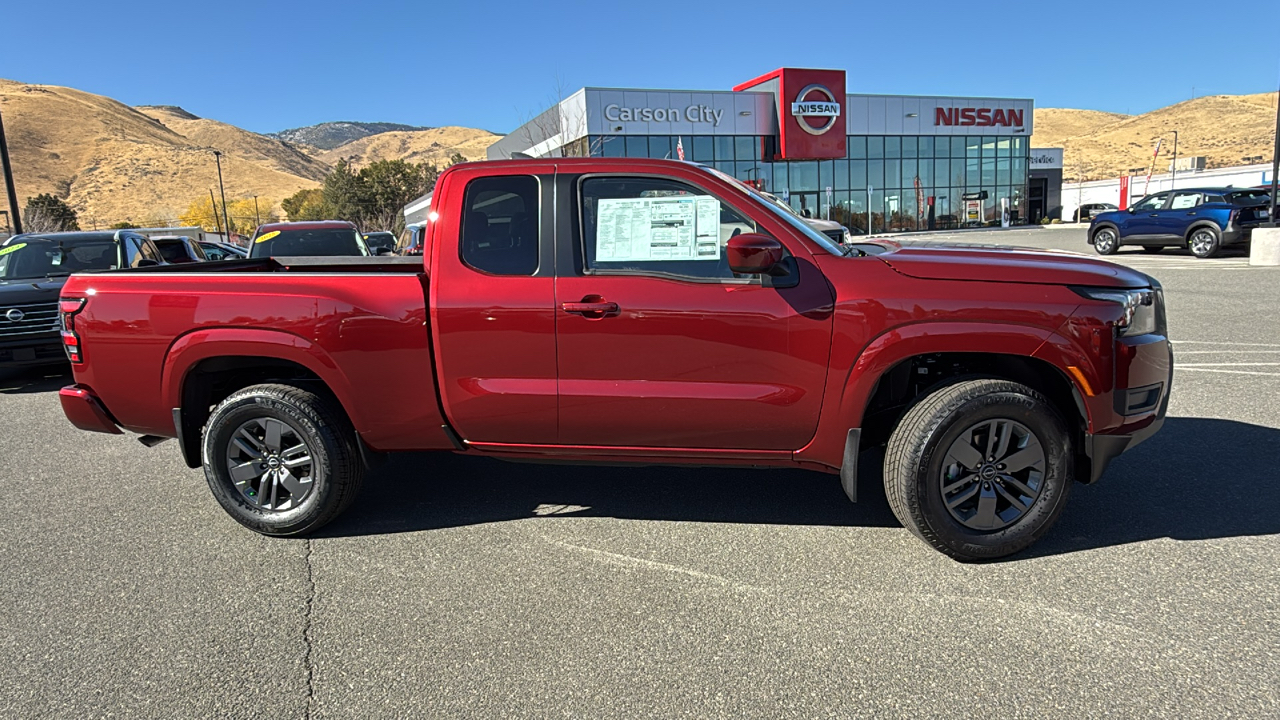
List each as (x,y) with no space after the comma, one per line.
(32,351)
(84,410)
(1102,448)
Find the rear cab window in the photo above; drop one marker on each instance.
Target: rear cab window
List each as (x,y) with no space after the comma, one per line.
(311,241)
(500,225)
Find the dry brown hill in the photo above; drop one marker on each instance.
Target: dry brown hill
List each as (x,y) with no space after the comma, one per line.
(1223,128)
(115,163)
(433,146)
(1054,125)
(261,149)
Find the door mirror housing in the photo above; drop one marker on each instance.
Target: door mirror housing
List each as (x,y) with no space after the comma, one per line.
(753,254)
(1129,210)
(147,262)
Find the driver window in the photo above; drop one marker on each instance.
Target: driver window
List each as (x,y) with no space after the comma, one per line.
(1155,202)
(653,225)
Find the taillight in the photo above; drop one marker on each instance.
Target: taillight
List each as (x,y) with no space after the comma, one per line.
(68,308)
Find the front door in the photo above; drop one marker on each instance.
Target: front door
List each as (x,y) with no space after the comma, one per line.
(1143,221)
(1172,222)
(659,344)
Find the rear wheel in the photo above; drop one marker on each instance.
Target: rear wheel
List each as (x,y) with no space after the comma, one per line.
(1105,241)
(281,460)
(1204,242)
(979,469)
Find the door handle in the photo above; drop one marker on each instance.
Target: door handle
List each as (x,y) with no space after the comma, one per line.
(1191,213)
(591,306)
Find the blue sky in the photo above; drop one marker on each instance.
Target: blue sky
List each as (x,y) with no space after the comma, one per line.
(267,66)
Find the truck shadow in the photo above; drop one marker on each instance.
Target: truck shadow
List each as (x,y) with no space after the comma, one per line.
(35,380)
(1198,478)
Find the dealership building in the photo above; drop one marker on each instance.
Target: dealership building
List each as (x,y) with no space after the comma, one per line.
(915,162)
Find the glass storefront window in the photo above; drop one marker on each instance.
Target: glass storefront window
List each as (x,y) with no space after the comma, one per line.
(660,147)
(892,173)
(1019,147)
(841,172)
(703,150)
(910,171)
(857,174)
(613,146)
(804,176)
(1018,171)
(746,147)
(988,172)
(957,146)
(857,148)
(780,182)
(875,147)
(875,173)
(893,146)
(825,168)
(925,171)
(973,147)
(724,148)
(1002,147)
(1002,171)
(926,146)
(637,146)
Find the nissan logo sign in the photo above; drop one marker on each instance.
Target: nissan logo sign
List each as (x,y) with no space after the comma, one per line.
(815,101)
(14,315)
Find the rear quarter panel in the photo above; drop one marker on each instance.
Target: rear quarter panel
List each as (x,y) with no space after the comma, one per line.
(365,335)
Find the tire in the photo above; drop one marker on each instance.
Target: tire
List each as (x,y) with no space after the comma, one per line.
(273,500)
(1204,241)
(1153,249)
(920,466)
(1106,241)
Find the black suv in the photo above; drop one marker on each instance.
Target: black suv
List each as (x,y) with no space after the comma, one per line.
(33,269)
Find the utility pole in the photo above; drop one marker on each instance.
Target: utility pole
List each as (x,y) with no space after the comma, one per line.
(8,182)
(214,204)
(257,216)
(1275,165)
(217,156)
(1173,177)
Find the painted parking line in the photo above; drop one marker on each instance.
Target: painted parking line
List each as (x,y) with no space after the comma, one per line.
(1228,372)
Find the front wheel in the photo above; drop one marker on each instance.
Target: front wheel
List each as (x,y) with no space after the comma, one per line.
(1105,241)
(281,460)
(979,469)
(1204,242)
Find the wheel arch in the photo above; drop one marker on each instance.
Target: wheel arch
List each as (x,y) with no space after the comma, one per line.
(204,367)
(1108,225)
(1186,236)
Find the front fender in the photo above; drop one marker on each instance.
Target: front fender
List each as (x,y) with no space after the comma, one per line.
(848,393)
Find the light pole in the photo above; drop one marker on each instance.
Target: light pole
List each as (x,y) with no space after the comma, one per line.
(1173,176)
(217,157)
(257,216)
(8,183)
(1275,165)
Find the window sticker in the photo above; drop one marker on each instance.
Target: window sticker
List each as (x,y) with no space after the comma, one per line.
(681,227)
(12,248)
(267,236)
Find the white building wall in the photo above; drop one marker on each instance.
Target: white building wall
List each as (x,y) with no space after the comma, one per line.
(1108,191)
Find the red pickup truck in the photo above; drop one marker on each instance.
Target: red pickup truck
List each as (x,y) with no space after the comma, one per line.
(620,311)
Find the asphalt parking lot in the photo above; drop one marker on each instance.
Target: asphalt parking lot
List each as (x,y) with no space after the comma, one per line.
(461,586)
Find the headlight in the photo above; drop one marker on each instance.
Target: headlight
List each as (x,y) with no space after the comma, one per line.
(1140,308)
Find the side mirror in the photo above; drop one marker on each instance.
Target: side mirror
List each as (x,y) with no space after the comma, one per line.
(753,254)
(1129,210)
(147,262)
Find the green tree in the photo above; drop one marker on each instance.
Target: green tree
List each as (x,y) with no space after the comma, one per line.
(456,158)
(307,205)
(386,186)
(342,193)
(126,225)
(48,213)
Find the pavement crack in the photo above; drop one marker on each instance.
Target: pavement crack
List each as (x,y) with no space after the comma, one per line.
(306,631)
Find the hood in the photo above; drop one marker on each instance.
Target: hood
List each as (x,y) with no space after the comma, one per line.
(990,263)
(30,291)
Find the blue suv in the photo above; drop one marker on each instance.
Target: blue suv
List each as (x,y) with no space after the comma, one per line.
(1203,220)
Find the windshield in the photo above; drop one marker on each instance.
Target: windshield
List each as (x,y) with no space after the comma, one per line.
(1250,197)
(38,257)
(317,241)
(788,215)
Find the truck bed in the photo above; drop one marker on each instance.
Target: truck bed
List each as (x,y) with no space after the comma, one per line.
(317,263)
